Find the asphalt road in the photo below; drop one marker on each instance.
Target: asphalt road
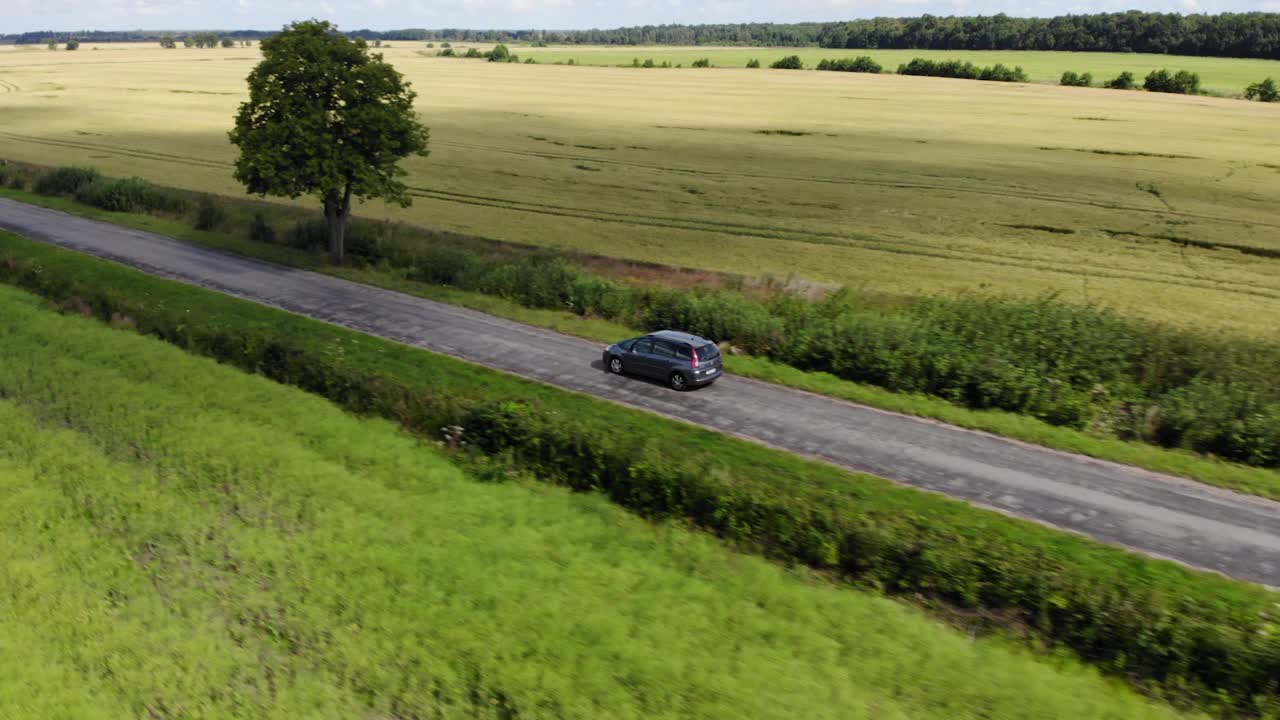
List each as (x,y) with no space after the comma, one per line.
(1159,515)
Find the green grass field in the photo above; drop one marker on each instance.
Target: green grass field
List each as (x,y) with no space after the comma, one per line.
(899,185)
(187,540)
(1223,75)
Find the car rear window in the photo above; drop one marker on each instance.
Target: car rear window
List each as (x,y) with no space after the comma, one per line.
(708,352)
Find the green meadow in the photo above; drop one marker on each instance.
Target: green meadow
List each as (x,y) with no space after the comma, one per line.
(187,540)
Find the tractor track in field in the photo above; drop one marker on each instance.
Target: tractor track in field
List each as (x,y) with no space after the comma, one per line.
(894,246)
(888,184)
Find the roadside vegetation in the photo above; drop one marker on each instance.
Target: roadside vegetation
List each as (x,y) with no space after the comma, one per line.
(1076,367)
(1192,637)
(186,539)
(529,286)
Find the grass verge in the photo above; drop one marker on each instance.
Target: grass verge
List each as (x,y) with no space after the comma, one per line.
(187,540)
(1193,637)
(1264,482)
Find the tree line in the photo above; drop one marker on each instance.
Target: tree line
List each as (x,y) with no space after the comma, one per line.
(1252,35)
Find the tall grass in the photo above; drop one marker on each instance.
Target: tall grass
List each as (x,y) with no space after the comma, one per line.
(185,539)
(1152,622)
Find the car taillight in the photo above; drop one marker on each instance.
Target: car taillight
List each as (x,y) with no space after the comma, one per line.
(695,358)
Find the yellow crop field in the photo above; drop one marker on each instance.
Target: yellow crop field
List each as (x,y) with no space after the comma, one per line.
(1161,206)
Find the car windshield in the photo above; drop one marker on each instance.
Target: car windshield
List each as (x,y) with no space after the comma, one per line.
(708,352)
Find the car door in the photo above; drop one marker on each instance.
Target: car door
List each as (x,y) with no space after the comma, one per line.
(663,359)
(639,360)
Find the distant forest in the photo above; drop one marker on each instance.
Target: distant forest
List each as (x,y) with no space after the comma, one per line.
(1250,35)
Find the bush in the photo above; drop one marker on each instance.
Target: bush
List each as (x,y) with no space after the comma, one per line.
(1071,79)
(1123,81)
(649,63)
(473,53)
(209,214)
(260,230)
(499,53)
(962,70)
(65,180)
(1181,82)
(702,63)
(126,195)
(73,45)
(530,61)
(948,68)
(1265,91)
(446,45)
(447,52)
(862,64)
(790,62)
(1000,73)
(753,63)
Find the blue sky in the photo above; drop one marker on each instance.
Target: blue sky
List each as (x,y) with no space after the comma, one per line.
(25,15)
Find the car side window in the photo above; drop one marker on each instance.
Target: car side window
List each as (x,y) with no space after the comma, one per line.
(664,349)
(682,352)
(643,345)
(627,344)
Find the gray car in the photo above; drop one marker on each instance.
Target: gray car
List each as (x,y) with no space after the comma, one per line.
(679,359)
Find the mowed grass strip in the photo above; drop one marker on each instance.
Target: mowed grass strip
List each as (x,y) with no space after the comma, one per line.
(1152,622)
(192,540)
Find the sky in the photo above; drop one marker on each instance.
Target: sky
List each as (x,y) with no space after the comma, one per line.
(68,15)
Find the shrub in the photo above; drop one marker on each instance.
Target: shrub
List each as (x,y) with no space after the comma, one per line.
(446,45)
(260,230)
(1181,82)
(962,70)
(447,52)
(649,63)
(948,68)
(1123,81)
(530,61)
(431,46)
(126,195)
(790,62)
(753,63)
(1071,79)
(1265,91)
(701,63)
(73,45)
(65,180)
(1000,73)
(862,64)
(473,53)
(499,53)
(209,213)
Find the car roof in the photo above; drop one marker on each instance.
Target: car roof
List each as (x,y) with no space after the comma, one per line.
(681,337)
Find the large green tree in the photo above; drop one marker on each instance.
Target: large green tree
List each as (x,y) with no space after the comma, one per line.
(326,117)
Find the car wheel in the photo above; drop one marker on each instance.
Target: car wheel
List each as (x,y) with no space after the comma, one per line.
(615,365)
(678,381)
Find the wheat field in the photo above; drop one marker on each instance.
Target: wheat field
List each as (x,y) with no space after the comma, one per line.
(1160,206)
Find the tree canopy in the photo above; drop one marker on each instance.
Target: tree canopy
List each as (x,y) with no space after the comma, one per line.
(326,117)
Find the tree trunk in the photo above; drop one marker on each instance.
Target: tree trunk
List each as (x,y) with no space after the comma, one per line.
(337,211)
